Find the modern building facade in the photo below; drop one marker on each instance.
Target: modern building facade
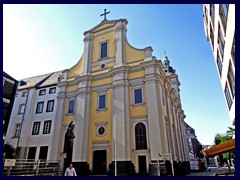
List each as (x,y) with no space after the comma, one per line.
(124,103)
(219,24)
(9,90)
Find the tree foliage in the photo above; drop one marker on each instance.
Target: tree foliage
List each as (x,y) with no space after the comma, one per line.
(219,139)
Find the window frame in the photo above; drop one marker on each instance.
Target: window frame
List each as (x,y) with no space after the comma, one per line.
(42,90)
(24,94)
(98,101)
(48,102)
(221,41)
(41,102)
(71,100)
(19,109)
(49,92)
(100,50)
(228,95)
(223,17)
(143,135)
(133,91)
(219,62)
(49,128)
(33,128)
(17,130)
(231,80)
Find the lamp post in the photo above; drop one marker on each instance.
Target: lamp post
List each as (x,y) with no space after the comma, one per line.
(158,172)
(170,152)
(115,144)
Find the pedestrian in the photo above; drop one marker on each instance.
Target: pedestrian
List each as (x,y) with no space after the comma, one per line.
(229,167)
(70,171)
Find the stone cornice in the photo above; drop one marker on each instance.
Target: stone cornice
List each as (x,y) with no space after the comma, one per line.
(119,69)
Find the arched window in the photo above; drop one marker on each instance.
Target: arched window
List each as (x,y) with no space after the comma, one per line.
(140,136)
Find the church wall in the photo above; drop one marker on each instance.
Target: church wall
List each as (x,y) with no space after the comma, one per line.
(71,88)
(76,69)
(135,75)
(109,37)
(100,118)
(101,82)
(138,110)
(133,54)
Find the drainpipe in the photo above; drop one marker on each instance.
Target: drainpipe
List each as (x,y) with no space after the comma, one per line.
(22,123)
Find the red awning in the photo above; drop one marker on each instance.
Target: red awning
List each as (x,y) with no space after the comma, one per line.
(221,148)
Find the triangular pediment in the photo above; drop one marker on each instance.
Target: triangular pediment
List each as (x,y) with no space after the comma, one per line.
(105,24)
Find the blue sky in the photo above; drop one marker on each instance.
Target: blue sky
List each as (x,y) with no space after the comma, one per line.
(40,39)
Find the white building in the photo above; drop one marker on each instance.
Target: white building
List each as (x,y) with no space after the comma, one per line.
(219,24)
(33,116)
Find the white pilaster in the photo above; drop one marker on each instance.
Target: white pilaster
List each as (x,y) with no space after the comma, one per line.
(121,116)
(87,53)
(82,115)
(157,133)
(58,134)
(120,39)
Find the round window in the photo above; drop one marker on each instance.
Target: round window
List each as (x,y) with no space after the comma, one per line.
(103,66)
(101,130)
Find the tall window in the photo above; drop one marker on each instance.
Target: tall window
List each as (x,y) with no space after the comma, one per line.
(50,105)
(219,63)
(47,127)
(228,96)
(21,108)
(220,40)
(42,92)
(140,136)
(212,37)
(36,127)
(52,90)
(212,11)
(223,11)
(17,130)
(190,145)
(39,107)
(231,79)
(138,96)
(102,102)
(71,106)
(104,50)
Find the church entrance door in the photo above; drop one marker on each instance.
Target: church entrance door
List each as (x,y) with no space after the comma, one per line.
(142,164)
(99,162)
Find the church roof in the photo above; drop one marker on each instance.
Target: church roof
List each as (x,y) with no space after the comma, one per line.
(41,80)
(105,22)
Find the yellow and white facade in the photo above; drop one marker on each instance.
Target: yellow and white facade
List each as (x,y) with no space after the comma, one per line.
(125,106)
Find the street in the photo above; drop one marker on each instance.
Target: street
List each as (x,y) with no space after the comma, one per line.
(211,171)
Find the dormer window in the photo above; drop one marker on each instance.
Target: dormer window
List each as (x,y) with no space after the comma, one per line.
(104,50)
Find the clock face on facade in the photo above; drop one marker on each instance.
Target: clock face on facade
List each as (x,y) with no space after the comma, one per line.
(101,130)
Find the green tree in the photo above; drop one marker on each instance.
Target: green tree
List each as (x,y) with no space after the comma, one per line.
(219,139)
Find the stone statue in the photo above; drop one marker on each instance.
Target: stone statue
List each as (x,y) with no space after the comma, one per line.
(69,136)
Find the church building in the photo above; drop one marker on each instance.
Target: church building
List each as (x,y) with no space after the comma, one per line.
(124,106)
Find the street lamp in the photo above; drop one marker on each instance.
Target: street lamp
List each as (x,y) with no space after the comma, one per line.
(158,172)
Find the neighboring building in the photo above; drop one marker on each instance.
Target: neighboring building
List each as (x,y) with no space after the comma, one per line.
(219,24)
(125,105)
(192,142)
(9,90)
(33,117)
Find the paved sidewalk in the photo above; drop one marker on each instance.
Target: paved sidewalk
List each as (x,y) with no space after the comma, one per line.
(205,173)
